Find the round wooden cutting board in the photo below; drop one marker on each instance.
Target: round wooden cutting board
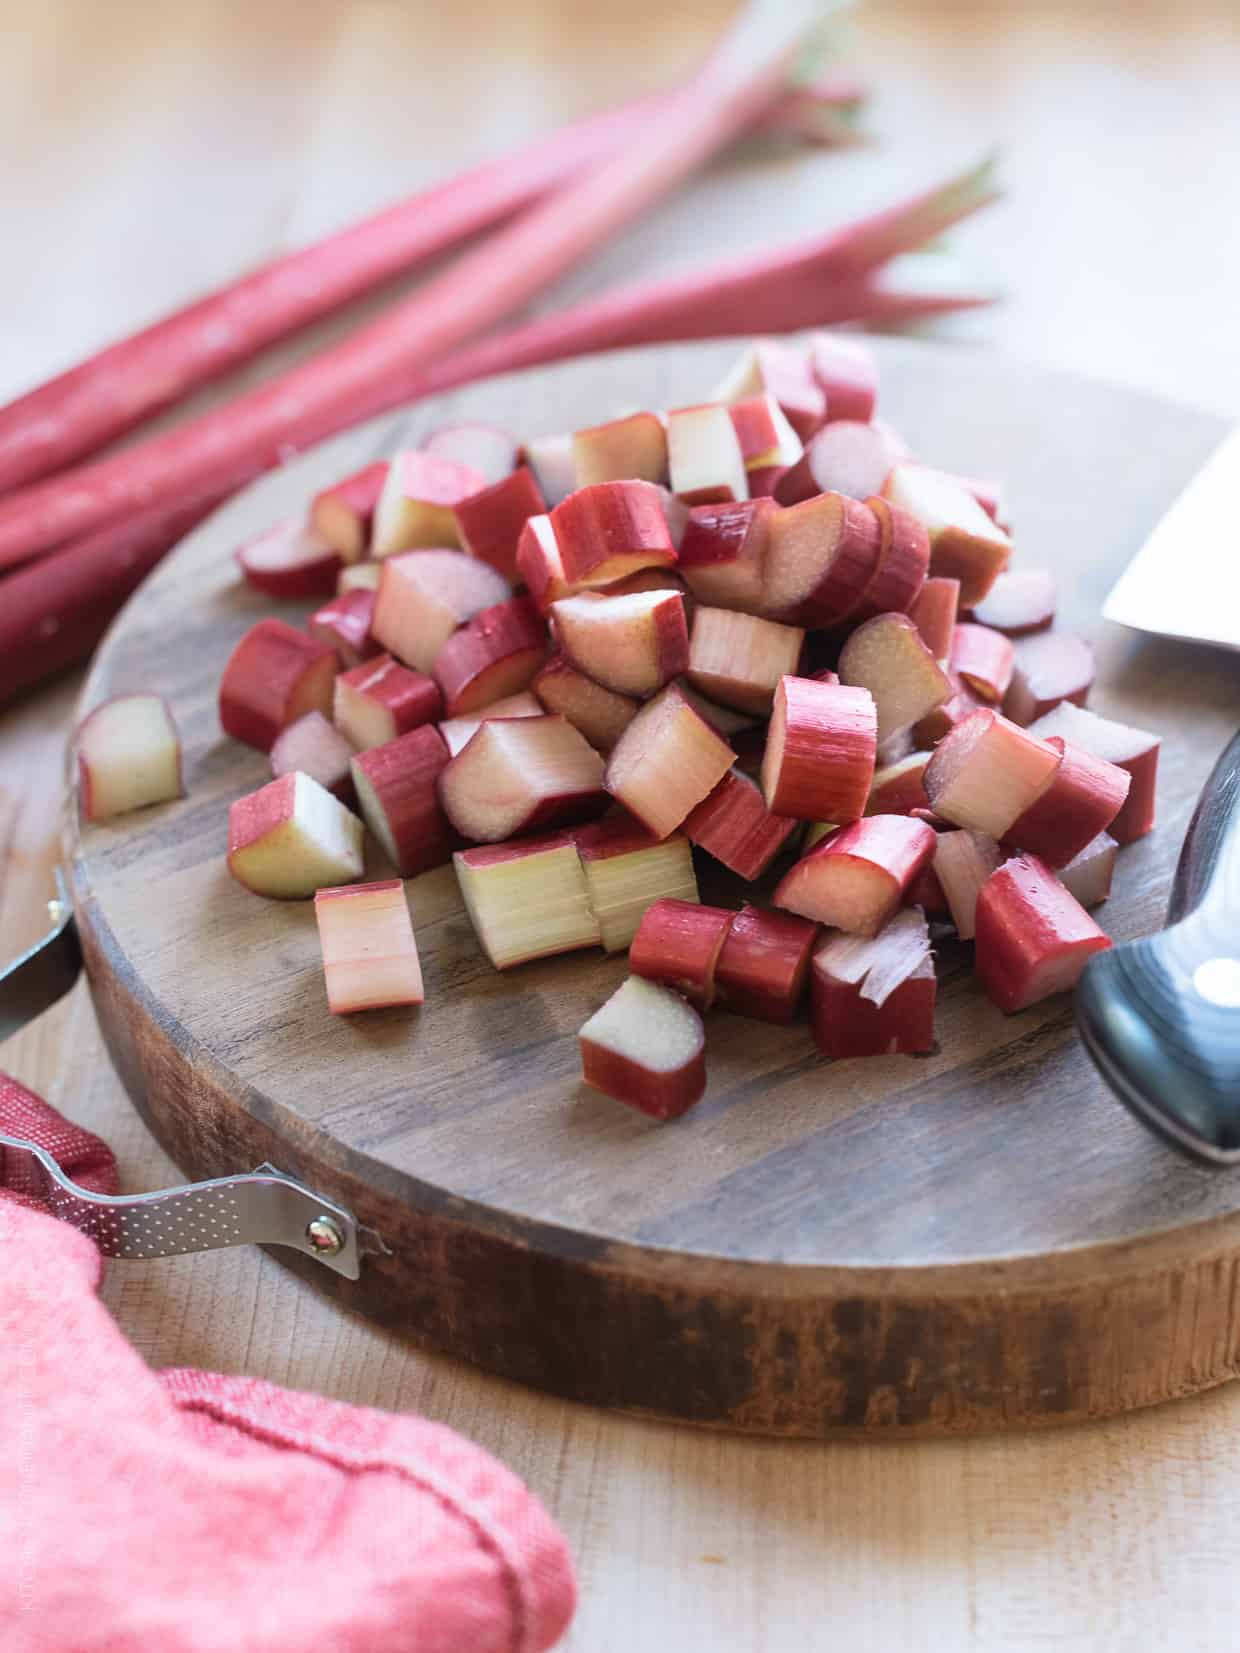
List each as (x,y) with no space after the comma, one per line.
(968,1240)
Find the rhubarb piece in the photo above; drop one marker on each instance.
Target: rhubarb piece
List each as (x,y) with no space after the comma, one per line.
(635,447)
(551,460)
(650,579)
(820,749)
(926,891)
(291,838)
(986,772)
(738,659)
(397,792)
(290,560)
(495,654)
(1033,936)
(418,504)
(633,644)
(856,879)
(425,595)
(874,997)
(704,456)
(627,870)
(763,480)
(344,625)
(457,732)
(519,774)
(770,367)
(766,438)
(343,514)
(610,530)
(820,559)
(815,832)
(667,760)
(678,943)
(723,719)
(887,656)
(1088,877)
(128,756)
(359,576)
(899,788)
(370,956)
(275,675)
(539,564)
(764,965)
(900,568)
(646,1047)
(723,551)
(1083,797)
(601,714)
(848,374)
(734,825)
(1135,750)
(933,611)
(1049,668)
(318,750)
(1021,601)
(960,704)
(965,544)
(983,659)
(492,452)
(381,699)
(489,523)
(527,900)
(963,861)
(843,458)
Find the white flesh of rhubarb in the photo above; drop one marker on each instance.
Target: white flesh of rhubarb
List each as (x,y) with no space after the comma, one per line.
(963,861)
(623,886)
(649,1024)
(527,905)
(318,844)
(129,755)
(370,956)
(880,963)
(459,731)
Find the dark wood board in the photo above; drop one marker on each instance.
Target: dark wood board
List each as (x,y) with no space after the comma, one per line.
(973,1239)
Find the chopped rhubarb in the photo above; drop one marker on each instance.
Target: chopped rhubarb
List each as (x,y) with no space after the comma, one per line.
(343,514)
(887,656)
(621,449)
(678,943)
(875,997)
(397,793)
(627,869)
(539,564)
(291,838)
(1083,797)
(764,965)
(489,523)
(520,774)
(965,544)
(418,504)
(927,892)
(609,530)
(723,551)
(988,493)
(857,879)
(381,699)
(899,788)
(960,704)
(963,861)
(667,760)
(527,900)
(1089,875)
(704,455)
(900,568)
(845,457)
(495,654)
(128,756)
(1033,936)
(983,659)
(1049,668)
(986,772)
(290,560)
(359,576)
(551,460)
(601,714)
(1020,601)
(820,749)
(734,825)
(319,750)
(370,956)
(848,375)
(784,372)
(820,559)
(459,731)
(425,595)
(1135,750)
(767,440)
(492,452)
(646,1047)
(274,676)
(933,611)
(723,719)
(632,644)
(344,625)
(738,659)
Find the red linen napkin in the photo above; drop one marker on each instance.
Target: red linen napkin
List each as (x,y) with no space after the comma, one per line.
(185,1512)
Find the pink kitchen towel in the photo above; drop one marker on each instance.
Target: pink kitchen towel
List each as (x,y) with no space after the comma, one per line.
(185,1512)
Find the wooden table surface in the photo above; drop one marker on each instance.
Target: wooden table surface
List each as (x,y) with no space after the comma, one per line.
(155,149)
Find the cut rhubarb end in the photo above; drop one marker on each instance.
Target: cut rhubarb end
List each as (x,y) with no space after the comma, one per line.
(820,559)
(899,788)
(983,659)
(734,825)
(620,450)
(933,611)
(527,900)
(845,457)
(1135,750)
(633,644)
(359,576)
(627,870)
(494,655)
(291,560)
(1089,876)
(678,943)
(901,565)
(381,699)
(847,373)
(820,749)
(518,775)
(418,504)
(875,997)
(965,544)
(318,750)
(275,675)
(1020,602)
(610,530)
(986,772)
(600,714)
(539,564)
(764,965)
(667,760)
(425,595)
(724,720)
(291,838)
(1050,668)
(492,452)
(784,372)
(963,862)
(344,625)
(768,441)
(551,460)
(489,523)
(128,756)
(1033,937)
(856,879)
(646,1047)
(961,704)
(888,657)
(457,732)
(1084,796)
(738,659)
(343,513)
(396,789)
(704,457)
(370,956)
(723,551)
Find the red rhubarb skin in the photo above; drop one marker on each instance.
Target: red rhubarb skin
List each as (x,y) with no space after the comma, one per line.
(404,773)
(480,856)
(314,575)
(490,522)
(496,654)
(1083,799)
(830,743)
(764,965)
(274,675)
(352,501)
(410,697)
(545,584)
(252,817)
(319,750)
(1027,920)
(850,536)
(846,1024)
(617,835)
(344,625)
(1136,818)
(722,551)
(608,522)
(734,825)
(901,566)
(754,425)
(848,380)
(983,659)
(933,611)
(678,943)
(659,1095)
(977,563)
(899,847)
(1071,679)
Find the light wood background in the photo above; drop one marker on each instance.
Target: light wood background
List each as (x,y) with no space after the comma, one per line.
(151,150)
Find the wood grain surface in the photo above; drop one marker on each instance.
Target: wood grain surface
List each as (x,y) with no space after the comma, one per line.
(155,150)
